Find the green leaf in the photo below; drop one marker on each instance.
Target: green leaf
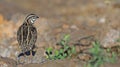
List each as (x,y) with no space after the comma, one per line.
(56,52)
(49,49)
(66,47)
(73,50)
(62,43)
(65,55)
(96,48)
(66,37)
(69,52)
(114,57)
(89,65)
(61,51)
(99,57)
(99,62)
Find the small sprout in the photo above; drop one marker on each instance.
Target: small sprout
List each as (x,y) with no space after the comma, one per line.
(49,52)
(64,52)
(99,57)
(66,38)
(73,50)
(96,50)
(56,52)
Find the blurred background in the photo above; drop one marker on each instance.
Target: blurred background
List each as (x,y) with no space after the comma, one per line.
(78,18)
(46,8)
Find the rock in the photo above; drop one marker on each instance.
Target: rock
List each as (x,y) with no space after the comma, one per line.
(84,57)
(74,27)
(7,62)
(110,39)
(65,26)
(102,20)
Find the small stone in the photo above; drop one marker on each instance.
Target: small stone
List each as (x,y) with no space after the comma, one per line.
(84,57)
(110,38)
(74,27)
(102,20)
(65,26)
(5,52)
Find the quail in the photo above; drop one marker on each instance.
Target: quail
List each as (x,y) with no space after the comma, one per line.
(27,36)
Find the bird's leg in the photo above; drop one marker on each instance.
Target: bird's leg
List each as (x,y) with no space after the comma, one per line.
(33,53)
(34,49)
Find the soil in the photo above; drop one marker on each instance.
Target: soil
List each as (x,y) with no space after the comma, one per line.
(95,19)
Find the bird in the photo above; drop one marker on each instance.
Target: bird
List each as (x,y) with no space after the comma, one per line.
(27,36)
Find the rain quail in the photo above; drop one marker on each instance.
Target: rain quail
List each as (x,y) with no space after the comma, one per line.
(27,36)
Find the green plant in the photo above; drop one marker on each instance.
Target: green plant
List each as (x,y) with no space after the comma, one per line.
(118,40)
(99,57)
(49,52)
(64,52)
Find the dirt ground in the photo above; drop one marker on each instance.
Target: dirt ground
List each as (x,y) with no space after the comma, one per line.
(79,18)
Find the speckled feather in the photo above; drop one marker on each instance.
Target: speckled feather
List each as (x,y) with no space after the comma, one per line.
(27,36)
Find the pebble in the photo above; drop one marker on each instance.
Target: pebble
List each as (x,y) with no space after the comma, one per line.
(74,27)
(110,39)
(65,26)
(102,20)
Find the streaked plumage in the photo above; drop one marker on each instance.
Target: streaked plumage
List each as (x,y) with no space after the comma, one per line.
(27,35)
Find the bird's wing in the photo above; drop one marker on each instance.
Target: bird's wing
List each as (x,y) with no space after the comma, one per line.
(19,35)
(34,36)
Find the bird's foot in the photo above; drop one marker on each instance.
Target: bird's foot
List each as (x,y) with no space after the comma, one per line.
(33,53)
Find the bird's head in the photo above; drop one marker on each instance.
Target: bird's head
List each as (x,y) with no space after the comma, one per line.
(31,18)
